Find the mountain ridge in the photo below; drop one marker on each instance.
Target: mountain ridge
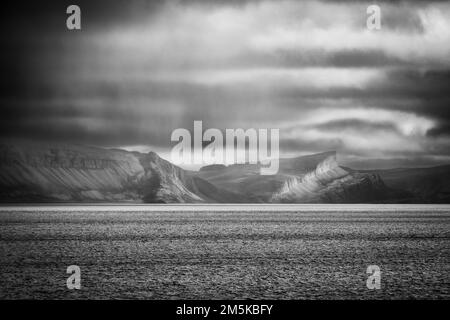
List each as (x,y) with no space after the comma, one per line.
(34,172)
(60,173)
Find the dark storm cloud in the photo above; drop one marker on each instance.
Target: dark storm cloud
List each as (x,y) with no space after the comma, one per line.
(139,69)
(359,58)
(440,130)
(426,93)
(345,58)
(356,125)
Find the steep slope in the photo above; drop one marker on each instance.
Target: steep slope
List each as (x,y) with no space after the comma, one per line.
(314,178)
(32,172)
(165,182)
(35,172)
(303,186)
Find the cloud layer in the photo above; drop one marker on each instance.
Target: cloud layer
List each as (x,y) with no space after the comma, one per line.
(138,70)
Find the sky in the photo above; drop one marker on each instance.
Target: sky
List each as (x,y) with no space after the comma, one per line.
(137,70)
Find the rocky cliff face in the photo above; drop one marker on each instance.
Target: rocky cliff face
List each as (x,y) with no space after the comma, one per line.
(310,179)
(32,172)
(41,173)
(330,183)
(308,185)
(61,173)
(165,182)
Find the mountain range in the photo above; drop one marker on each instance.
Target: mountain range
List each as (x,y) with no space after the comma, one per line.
(42,172)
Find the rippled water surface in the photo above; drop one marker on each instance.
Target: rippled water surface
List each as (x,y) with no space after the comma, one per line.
(309,252)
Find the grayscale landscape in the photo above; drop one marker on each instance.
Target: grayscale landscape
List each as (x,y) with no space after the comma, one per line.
(133,134)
